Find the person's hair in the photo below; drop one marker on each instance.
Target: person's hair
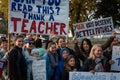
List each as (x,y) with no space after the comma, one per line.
(61,37)
(4,41)
(19,36)
(46,46)
(66,64)
(51,43)
(88,42)
(92,56)
(38,43)
(109,41)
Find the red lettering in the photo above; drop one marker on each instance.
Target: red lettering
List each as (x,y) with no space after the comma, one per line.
(39,25)
(15,20)
(62,28)
(33,27)
(24,25)
(55,27)
(48,27)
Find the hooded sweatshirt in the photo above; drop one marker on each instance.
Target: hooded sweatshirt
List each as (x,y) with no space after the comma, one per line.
(60,67)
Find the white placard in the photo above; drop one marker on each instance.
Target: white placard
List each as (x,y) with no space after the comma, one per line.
(39,16)
(39,70)
(116,58)
(91,28)
(95,76)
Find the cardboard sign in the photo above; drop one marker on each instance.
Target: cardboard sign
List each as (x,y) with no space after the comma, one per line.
(116,58)
(91,28)
(91,76)
(39,70)
(39,16)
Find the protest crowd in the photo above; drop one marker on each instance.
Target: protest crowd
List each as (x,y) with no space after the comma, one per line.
(28,58)
(60,59)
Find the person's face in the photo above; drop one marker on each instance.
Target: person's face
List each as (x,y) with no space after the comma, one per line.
(71,62)
(98,52)
(114,42)
(19,42)
(30,45)
(85,46)
(65,54)
(52,48)
(61,43)
(4,45)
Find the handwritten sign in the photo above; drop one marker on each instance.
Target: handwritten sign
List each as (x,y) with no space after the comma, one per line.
(91,76)
(116,58)
(39,16)
(91,28)
(39,70)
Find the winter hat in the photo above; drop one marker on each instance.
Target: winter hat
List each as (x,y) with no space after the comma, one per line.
(63,49)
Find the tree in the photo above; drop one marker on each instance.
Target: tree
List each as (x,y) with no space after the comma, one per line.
(80,11)
(109,8)
(3,16)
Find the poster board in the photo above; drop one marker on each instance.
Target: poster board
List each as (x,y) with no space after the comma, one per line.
(116,58)
(91,28)
(39,16)
(95,76)
(39,70)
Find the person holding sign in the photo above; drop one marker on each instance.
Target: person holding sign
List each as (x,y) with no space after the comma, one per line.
(69,65)
(28,47)
(113,40)
(16,60)
(96,62)
(83,51)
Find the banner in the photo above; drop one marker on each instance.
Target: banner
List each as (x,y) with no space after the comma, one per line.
(91,28)
(39,16)
(95,76)
(39,70)
(116,58)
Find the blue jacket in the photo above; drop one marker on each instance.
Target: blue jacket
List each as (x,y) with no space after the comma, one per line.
(60,67)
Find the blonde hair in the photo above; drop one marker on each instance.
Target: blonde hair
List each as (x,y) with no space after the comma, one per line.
(92,56)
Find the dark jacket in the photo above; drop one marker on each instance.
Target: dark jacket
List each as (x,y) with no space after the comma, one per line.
(17,64)
(90,65)
(60,67)
(65,75)
(71,53)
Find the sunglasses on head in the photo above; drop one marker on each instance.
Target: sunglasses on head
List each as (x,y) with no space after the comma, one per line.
(30,42)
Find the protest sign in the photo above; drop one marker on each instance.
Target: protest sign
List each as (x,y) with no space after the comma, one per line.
(39,70)
(39,16)
(116,58)
(95,76)
(91,28)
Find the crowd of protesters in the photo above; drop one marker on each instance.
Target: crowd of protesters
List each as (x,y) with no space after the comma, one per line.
(60,59)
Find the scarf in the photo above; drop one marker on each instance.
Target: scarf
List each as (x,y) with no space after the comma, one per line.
(53,59)
(98,66)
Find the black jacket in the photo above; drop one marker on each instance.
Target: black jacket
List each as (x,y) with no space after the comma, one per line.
(17,64)
(90,65)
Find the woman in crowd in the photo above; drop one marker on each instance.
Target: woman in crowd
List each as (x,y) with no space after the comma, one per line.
(51,61)
(83,51)
(113,41)
(17,64)
(29,45)
(69,65)
(96,62)
(64,52)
